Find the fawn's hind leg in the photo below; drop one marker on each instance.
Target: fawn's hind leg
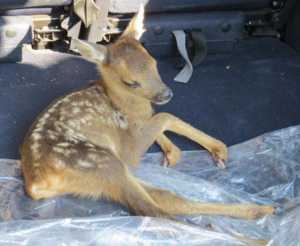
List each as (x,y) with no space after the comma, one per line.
(90,173)
(173,204)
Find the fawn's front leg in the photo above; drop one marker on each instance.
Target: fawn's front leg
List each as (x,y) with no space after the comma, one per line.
(166,122)
(172,153)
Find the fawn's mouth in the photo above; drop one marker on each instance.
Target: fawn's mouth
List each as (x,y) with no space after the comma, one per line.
(163,98)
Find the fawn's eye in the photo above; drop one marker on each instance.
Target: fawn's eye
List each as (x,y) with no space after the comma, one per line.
(132,84)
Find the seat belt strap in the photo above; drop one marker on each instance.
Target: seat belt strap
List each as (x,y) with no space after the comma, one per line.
(186,73)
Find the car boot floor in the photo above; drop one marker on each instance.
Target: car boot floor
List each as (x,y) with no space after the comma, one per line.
(234,96)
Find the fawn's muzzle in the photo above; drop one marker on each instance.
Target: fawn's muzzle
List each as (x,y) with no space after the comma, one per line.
(163,97)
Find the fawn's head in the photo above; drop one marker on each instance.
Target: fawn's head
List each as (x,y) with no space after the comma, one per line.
(127,64)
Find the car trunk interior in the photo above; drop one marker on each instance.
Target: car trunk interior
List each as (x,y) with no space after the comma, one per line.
(247,84)
(244,60)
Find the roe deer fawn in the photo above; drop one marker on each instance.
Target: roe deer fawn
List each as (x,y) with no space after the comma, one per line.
(82,143)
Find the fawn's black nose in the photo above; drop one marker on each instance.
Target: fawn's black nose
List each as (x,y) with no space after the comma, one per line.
(163,97)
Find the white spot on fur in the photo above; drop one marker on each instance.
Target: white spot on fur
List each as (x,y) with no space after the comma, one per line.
(102,108)
(63,112)
(58,150)
(74,104)
(76,110)
(36,164)
(51,135)
(88,104)
(83,120)
(43,120)
(36,136)
(86,119)
(81,103)
(90,145)
(37,130)
(67,98)
(41,123)
(62,118)
(85,164)
(90,110)
(93,157)
(120,120)
(54,106)
(73,124)
(59,126)
(63,144)
(46,116)
(51,110)
(35,147)
(69,152)
(71,139)
(102,165)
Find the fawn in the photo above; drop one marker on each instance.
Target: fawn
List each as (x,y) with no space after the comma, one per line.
(82,143)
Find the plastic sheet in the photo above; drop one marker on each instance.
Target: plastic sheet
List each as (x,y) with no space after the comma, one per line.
(263,170)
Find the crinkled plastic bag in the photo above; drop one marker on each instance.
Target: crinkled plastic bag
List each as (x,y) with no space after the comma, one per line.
(264,170)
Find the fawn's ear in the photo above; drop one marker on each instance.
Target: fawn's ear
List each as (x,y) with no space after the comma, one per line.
(135,28)
(90,51)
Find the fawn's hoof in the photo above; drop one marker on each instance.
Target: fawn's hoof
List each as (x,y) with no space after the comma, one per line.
(220,154)
(260,211)
(172,156)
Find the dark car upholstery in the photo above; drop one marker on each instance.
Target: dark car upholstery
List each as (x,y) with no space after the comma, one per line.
(121,6)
